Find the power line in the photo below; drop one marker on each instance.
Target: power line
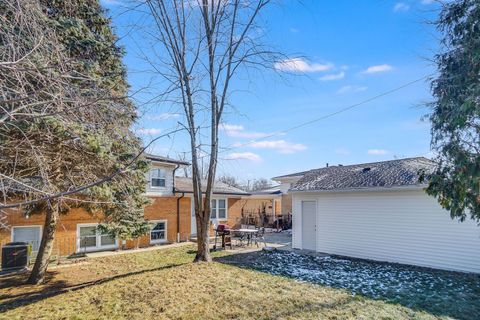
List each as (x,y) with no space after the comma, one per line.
(329,115)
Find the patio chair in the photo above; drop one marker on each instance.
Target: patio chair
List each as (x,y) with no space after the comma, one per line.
(259,236)
(239,238)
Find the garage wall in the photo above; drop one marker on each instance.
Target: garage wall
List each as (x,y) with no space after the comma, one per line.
(397,226)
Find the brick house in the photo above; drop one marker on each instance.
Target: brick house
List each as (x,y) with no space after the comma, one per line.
(267,202)
(171,214)
(272,205)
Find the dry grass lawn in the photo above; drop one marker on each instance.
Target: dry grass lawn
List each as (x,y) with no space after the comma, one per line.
(164,284)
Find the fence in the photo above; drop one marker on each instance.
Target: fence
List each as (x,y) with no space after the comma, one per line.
(261,218)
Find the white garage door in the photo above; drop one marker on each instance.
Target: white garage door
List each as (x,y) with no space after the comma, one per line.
(309,225)
(398,226)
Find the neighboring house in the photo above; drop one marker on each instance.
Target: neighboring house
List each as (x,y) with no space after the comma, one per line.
(267,201)
(171,213)
(380,211)
(266,208)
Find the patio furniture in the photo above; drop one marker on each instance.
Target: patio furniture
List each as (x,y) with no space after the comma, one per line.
(259,236)
(238,237)
(246,234)
(223,232)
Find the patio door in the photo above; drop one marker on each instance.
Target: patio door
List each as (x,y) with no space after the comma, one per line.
(309,225)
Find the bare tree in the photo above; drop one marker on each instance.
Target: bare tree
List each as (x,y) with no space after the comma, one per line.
(260,184)
(65,127)
(230,180)
(199,48)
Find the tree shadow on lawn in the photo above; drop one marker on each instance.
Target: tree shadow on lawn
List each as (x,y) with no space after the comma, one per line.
(440,293)
(53,287)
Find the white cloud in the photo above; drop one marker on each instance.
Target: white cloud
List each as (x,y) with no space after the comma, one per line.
(301,65)
(401,7)
(335,76)
(110,2)
(294,30)
(378,68)
(351,89)
(232,127)
(244,156)
(148,131)
(280,146)
(164,116)
(342,151)
(238,131)
(378,152)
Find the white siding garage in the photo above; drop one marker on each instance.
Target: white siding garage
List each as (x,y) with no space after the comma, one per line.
(404,226)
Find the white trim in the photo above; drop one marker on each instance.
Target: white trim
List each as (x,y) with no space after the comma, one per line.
(193,218)
(397,188)
(98,240)
(166,230)
(28,226)
(262,196)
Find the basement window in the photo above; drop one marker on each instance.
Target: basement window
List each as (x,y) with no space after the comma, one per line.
(158,233)
(89,238)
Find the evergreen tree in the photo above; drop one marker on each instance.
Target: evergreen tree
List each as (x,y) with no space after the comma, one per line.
(77,128)
(456,111)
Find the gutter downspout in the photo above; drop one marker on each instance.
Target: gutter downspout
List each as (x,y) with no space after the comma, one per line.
(178,216)
(178,202)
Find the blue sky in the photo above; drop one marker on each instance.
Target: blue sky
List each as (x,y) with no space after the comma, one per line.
(351,51)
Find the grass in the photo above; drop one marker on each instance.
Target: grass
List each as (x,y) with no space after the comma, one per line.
(438,292)
(164,284)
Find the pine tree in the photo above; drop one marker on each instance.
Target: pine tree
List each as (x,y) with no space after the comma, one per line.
(456,111)
(77,128)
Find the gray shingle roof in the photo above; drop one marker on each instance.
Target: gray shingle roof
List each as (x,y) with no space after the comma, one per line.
(269,191)
(186,185)
(385,174)
(154,157)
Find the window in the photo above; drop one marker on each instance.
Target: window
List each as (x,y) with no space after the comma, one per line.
(158,232)
(218,209)
(31,235)
(91,239)
(157,178)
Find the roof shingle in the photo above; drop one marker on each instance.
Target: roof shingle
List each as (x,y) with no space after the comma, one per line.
(186,185)
(385,174)
(154,157)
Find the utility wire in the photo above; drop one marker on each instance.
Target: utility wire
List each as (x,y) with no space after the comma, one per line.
(347,108)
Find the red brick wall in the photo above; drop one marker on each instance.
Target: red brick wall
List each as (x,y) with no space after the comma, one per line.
(162,208)
(66,234)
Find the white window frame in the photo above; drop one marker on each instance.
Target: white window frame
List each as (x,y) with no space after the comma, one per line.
(165,231)
(28,226)
(98,240)
(217,201)
(162,176)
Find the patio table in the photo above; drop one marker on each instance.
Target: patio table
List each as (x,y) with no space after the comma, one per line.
(246,232)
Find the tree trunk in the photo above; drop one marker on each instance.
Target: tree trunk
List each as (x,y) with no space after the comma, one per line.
(45,251)
(203,239)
